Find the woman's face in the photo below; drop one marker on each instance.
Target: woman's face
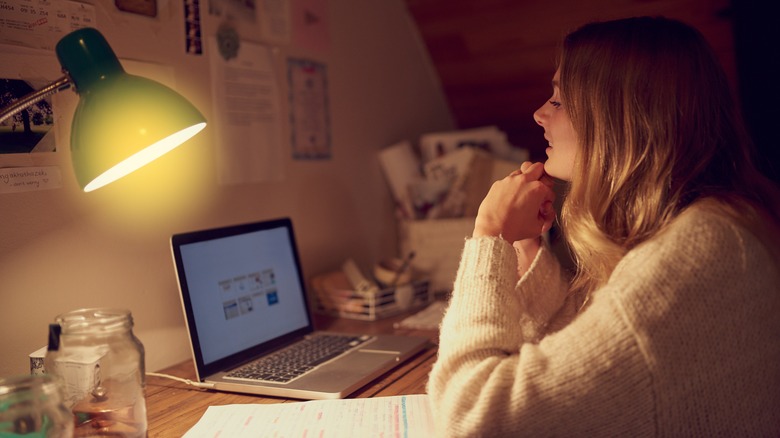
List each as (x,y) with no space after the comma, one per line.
(559,133)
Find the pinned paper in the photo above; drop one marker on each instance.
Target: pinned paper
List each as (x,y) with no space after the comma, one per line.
(25,179)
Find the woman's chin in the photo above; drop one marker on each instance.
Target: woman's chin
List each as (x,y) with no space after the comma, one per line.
(550,169)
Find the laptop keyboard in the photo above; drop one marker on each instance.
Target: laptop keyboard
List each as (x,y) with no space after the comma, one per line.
(294,361)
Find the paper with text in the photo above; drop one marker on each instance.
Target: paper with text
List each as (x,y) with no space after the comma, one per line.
(24,179)
(404,416)
(40,24)
(246,114)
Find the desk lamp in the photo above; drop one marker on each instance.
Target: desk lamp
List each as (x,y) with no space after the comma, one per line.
(122,122)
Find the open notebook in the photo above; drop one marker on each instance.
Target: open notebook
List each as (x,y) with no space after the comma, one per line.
(244,299)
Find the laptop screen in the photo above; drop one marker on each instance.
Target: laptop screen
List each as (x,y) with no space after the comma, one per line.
(242,289)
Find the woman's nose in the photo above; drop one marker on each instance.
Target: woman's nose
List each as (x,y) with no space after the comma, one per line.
(538,117)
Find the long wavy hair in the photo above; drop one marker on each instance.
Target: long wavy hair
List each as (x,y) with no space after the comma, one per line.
(658,130)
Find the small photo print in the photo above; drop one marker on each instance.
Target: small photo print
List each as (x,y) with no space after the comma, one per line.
(28,130)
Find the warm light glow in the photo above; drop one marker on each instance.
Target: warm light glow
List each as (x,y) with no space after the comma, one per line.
(144,157)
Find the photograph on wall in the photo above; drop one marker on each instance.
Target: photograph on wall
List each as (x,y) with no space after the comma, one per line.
(27,130)
(309,113)
(36,128)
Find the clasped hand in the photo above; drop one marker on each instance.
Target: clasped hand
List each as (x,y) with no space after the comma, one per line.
(519,206)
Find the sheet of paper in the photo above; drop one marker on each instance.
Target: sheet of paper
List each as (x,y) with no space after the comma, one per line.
(246,107)
(275,21)
(311,25)
(39,24)
(397,416)
(25,179)
(402,171)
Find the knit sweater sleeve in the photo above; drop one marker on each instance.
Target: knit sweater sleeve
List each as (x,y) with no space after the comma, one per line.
(490,265)
(681,341)
(497,374)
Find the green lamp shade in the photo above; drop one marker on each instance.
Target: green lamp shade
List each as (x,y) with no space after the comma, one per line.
(122,122)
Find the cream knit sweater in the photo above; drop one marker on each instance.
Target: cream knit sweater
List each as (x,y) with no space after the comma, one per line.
(684,340)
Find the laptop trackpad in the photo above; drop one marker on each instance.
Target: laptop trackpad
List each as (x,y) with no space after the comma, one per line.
(390,344)
(367,362)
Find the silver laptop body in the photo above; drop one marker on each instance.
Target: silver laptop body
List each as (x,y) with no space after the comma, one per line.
(243,298)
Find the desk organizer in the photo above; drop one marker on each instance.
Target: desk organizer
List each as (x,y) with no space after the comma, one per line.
(437,244)
(335,296)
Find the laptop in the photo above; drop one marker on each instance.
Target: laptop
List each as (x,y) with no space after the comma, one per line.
(243,297)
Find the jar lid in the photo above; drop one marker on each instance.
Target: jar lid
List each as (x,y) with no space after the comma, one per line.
(96,319)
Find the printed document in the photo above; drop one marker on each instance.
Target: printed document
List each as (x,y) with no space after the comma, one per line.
(396,416)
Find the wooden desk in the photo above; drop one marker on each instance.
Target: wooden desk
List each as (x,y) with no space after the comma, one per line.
(173,407)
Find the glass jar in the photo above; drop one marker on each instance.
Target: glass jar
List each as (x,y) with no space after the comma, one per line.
(101,363)
(32,406)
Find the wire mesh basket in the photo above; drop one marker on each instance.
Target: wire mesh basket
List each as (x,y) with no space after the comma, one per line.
(335,296)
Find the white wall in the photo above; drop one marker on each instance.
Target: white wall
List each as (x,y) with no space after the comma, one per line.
(63,249)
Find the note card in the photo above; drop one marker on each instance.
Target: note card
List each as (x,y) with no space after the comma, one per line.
(397,416)
(25,179)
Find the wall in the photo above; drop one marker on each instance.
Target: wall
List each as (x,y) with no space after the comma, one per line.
(495,59)
(62,249)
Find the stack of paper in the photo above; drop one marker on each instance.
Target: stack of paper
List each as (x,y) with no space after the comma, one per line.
(451,174)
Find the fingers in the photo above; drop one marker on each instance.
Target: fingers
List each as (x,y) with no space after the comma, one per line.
(528,167)
(519,206)
(534,171)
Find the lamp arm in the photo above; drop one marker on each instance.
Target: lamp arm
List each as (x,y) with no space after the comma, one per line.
(25,101)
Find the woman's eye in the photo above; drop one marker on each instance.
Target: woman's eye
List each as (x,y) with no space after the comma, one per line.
(555,103)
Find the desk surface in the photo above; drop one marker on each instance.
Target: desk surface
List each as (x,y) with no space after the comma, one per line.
(173,407)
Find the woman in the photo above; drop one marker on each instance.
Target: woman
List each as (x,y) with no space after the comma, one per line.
(671,324)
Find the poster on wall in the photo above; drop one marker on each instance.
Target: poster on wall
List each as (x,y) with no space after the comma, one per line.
(246,112)
(309,113)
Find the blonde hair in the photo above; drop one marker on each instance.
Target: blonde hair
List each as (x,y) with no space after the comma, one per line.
(658,129)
